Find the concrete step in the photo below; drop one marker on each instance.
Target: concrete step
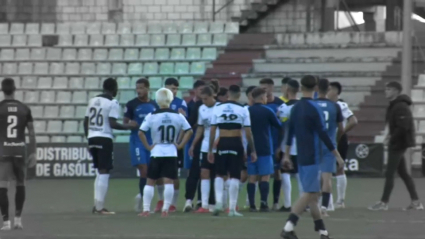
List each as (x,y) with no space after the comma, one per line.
(286,60)
(344,81)
(333,53)
(321,67)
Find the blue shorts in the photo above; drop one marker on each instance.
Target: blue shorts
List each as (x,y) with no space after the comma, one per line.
(138,153)
(328,164)
(263,166)
(310,177)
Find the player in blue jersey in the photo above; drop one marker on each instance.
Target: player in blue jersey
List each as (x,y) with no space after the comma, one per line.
(137,109)
(333,122)
(274,103)
(263,122)
(306,123)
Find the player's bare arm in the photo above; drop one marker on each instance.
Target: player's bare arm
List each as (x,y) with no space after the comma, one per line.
(144,140)
(351,123)
(186,137)
(180,137)
(115,125)
(251,144)
(127,121)
(32,159)
(211,143)
(198,136)
(286,161)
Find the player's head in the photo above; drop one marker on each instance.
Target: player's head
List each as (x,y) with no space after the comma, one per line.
(249,94)
(292,88)
(164,97)
(215,86)
(284,85)
(267,84)
(259,95)
(223,94)
(234,92)
(172,84)
(197,87)
(8,86)
(308,83)
(142,88)
(392,90)
(335,90)
(110,86)
(323,87)
(207,96)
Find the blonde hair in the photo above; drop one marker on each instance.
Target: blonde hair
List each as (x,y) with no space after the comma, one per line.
(164,97)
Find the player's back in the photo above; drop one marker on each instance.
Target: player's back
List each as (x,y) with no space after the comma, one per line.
(230,115)
(332,115)
(274,105)
(100,108)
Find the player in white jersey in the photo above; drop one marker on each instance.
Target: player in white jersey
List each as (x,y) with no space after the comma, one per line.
(164,125)
(349,122)
(101,117)
(203,130)
(229,117)
(283,114)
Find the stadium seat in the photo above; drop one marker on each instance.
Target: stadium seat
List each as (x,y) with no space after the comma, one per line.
(91,83)
(193,53)
(7,55)
(155,82)
(189,40)
(209,53)
(166,68)
(115,54)
(169,28)
(19,95)
(64,97)
(93,28)
(421,127)
(74,139)
(93,94)
(80,112)
(204,39)
(186,82)
(38,54)
(186,27)
(135,69)
(152,95)
(147,54)
(182,68)
(4,28)
(29,82)
(174,40)
(216,27)
(54,126)
(54,54)
(51,111)
(72,68)
(36,111)
(162,54)
(25,68)
(31,96)
(81,126)
(44,82)
(421,80)
(96,40)
(42,139)
(65,40)
(220,39)
(19,40)
(124,28)
(131,54)
(123,82)
(417,95)
(103,68)
(39,127)
(134,79)
(70,126)
(69,54)
(78,28)
(100,54)
(35,40)
(40,68)
(79,97)
(127,40)
(232,28)
(81,40)
(200,27)
(178,54)
(10,68)
(5,40)
(60,82)
(179,94)
(154,28)
(112,40)
(56,68)
(76,83)
(139,28)
(419,110)
(58,139)
(157,40)
(47,97)
(88,68)
(142,40)
(119,69)
(63,28)
(122,139)
(16,28)
(150,68)
(47,29)
(126,95)
(84,54)
(197,68)
(108,28)
(23,54)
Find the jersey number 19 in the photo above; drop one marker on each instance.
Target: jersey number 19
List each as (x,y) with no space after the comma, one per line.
(12,121)
(230,117)
(167,133)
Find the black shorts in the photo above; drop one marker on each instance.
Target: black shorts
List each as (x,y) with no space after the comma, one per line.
(343,146)
(163,167)
(13,168)
(229,160)
(180,158)
(102,151)
(205,163)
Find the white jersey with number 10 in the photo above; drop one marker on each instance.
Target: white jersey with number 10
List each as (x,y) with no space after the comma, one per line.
(99,110)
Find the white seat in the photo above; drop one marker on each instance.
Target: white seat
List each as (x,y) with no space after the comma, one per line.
(93,28)
(72,68)
(56,68)
(135,69)
(29,82)
(32,28)
(142,40)
(25,68)
(37,111)
(131,54)
(419,140)
(186,27)
(123,82)
(69,54)
(85,54)
(421,80)
(7,55)
(38,54)
(100,54)
(54,54)
(127,40)
(78,28)
(47,28)
(154,28)
(124,28)
(96,40)
(76,82)
(169,28)
(157,40)
(23,54)
(419,110)
(60,82)
(74,139)
(115,54)
(119,69)
(111,40)
(34,40)
(10,68)
(417,95)
(200,27)
(4,28)
(103,68)
(232,28)
(41,68)
(47,97)
(54,126)
(70,126)
(108,28)
(51,111)
(19,40)
(91,83)
(216,27)
(5,40)
(63,28)
(79,97)
(421,126)
(81,40)
(147,54)
(40,127)
(45,82)
(31,96)
(139,28)
(64,97)
(80,112)
(42,139)
(88,68)
(65,40)
(58,139)
(16,28)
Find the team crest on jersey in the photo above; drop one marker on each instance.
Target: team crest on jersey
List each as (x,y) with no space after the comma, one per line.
(228,109)
(173,107)
(97,103)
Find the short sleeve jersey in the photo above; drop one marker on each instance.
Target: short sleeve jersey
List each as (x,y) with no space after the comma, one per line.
(332,115)
(178,103)
(244,139)
(230,115)
(164,126)
(204,119)
(283,113)
(99,110)
(345,111)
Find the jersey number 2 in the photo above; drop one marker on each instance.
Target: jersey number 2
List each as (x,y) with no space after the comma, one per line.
(96,117)
(12,121)
(167,133)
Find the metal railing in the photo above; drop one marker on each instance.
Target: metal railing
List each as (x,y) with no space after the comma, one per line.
(214,12)
(347,12)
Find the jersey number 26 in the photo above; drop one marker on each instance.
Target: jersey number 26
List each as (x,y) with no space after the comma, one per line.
(96,117)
